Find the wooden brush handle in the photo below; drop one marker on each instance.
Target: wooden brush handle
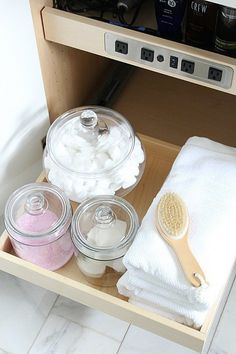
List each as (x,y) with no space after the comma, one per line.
(188,262)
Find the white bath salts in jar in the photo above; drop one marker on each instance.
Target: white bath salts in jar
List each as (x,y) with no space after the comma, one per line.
(92,151)
(103,228)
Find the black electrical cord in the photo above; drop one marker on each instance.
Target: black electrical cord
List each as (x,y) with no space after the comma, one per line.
(102,6)
(122,11)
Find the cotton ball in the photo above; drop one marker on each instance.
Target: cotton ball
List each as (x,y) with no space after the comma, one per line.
(123,143)
(115,186)
(47,162)
(116,181)
(138,153)
(68,186)
(79,190)
(101,158)
(61,150)
(109,163)
(67,161)
(66,139)
(115,153)
(103,191)
(130,181)
(90,183)
(115,134)
(80,195)
(52,176)
(78,143)
(103,142)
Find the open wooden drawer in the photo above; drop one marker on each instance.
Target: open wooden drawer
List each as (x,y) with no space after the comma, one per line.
(168,111)
(69,282)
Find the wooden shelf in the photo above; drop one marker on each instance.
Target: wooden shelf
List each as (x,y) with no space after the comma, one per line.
(89,35)
(69,282)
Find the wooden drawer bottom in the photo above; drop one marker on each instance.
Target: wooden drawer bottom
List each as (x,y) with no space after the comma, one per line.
(69,282)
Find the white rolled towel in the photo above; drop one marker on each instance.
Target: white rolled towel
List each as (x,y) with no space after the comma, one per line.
(204,176)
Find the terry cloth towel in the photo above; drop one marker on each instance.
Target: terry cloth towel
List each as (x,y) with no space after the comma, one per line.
(204,176)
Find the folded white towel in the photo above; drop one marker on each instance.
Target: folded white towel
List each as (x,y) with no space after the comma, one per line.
(162,302)
(204,175)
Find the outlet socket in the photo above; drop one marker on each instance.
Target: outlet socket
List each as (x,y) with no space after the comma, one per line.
(215,74)
(147,54)
(187,66)
(121,47)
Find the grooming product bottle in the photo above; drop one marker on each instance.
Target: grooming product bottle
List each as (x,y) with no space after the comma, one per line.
(200,23)
(225,39)
(169,14)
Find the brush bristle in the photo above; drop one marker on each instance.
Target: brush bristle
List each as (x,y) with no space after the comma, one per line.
(172,215)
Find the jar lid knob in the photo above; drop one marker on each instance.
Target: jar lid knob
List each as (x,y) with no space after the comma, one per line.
(104,215)
(88,119)
(36,203)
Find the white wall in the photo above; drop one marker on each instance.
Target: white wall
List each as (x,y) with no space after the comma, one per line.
(23,112)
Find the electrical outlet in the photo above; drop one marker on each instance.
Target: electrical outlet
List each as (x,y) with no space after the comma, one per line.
(187,66)
(121,47)
(147,54)
(215,74)
(168,60)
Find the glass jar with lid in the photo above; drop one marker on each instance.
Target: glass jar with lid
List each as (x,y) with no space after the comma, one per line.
(38,221)
(103,228)
(93,151)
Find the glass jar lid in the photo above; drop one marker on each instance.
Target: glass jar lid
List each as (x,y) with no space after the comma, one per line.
(104,227)
(37,209)
(90,140)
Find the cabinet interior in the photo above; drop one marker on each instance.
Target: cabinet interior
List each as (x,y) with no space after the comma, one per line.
(167,111)
(157,105)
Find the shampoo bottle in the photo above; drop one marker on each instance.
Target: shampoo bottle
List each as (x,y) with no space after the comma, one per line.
(225,40)
(169,14)
(200,23)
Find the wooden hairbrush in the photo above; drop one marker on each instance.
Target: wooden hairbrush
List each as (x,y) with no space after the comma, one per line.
(172,222)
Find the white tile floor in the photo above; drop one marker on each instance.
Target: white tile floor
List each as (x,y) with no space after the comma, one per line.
(35,321)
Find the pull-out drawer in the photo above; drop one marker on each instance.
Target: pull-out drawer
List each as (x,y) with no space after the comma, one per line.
(157,105)
(69,282)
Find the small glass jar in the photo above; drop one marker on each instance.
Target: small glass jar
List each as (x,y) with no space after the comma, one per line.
(38,219)
(93,151)
(103,228)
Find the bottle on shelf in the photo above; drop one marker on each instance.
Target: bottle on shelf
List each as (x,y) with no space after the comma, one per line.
(200,23)
(169,15)
(225,39)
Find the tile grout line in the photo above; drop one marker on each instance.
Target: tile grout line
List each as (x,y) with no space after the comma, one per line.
(123,339)
(37,335)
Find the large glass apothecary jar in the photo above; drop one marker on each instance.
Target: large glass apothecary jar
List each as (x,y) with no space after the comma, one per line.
(93,151)
(38,221)
(103,229)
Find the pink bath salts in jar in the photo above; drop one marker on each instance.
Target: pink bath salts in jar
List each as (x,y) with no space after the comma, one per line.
(38,218)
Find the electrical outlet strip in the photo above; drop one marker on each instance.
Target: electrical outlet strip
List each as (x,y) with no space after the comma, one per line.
(168,60)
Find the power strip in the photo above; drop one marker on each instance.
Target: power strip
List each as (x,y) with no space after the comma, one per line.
(168,60)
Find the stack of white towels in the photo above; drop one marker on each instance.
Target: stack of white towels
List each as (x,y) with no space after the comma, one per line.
(204,176)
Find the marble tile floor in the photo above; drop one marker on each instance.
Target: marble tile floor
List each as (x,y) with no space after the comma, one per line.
(36,321)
